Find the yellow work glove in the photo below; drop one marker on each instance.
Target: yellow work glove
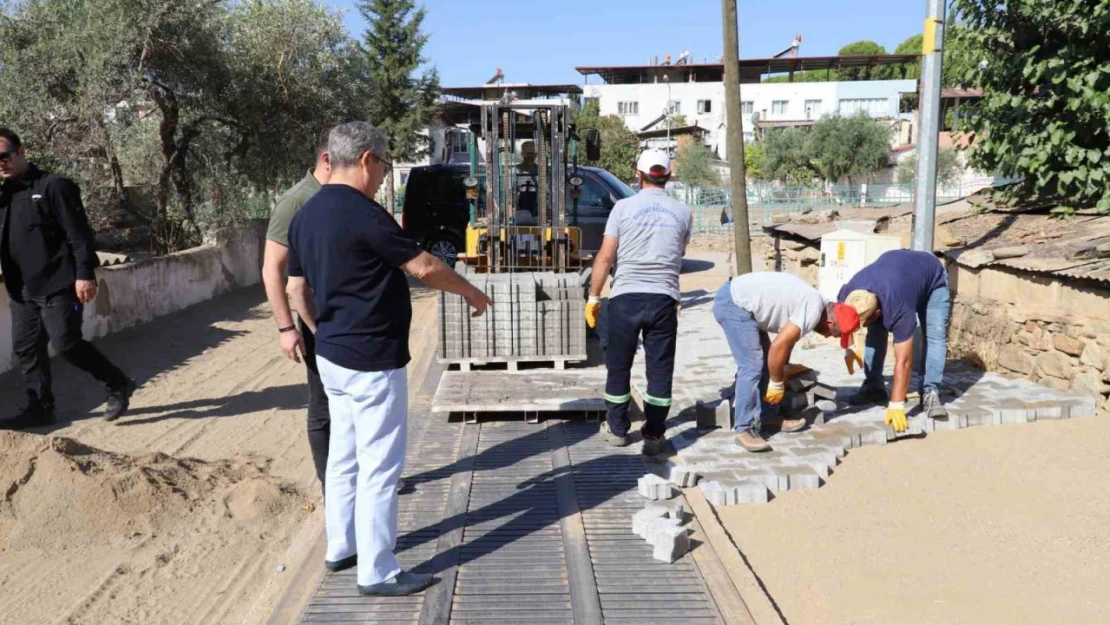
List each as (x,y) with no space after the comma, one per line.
(852,360)
(593,309)
(896,415)
(775,392)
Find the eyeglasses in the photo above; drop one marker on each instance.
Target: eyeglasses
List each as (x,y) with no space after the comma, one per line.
(386,165)
(6,157)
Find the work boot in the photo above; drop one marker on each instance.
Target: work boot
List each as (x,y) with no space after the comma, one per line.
(404,583)
(31,416)
(118,400)
(869,395)
(654,445)
(616,440)
(788,426)
(931,406)
(751,440)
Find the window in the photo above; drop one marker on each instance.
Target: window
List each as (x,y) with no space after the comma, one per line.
(594,201)
(813,109)
(747,108)
(459,143)
(705,106)
(875,107)
(779,107)
(628,108)
(674,107)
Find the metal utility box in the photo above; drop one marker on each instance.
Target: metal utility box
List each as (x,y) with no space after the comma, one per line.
(844,253)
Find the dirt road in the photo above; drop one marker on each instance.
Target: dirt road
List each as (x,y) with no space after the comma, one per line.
(184,511)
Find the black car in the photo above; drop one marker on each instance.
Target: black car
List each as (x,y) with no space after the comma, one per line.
(436,212)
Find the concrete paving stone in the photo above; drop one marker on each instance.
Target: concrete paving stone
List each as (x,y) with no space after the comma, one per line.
(802,478)
(828,455)
(683,477)
(714,414)
(671,544)
(669,509)
(809,463)
(977,417)
(1048,410)
(655,529)
(714,493)
(654,487)
(872,435)
(641,519)
(1083,408)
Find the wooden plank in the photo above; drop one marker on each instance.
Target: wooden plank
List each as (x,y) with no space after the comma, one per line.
(584,598)
(437,599)
(730,564)
(576,390)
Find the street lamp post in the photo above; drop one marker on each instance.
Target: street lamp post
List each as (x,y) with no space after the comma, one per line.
(667,112)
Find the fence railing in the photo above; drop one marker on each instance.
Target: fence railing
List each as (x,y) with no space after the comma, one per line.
(712,207)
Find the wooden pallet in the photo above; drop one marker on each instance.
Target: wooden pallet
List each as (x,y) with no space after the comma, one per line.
(532,393)
(513,363)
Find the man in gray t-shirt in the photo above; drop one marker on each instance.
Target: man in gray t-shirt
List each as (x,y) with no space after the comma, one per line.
(751,306)
(645,238)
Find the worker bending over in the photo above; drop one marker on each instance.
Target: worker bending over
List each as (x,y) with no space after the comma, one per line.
(646,236)
(749,307)
(893,294)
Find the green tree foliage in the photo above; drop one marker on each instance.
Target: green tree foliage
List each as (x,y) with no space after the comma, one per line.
(694,164)
(1045,114)
(948,168)
(786,158)
(809,75)
(862,48)
(912,45)
(402,103)
(185,102)
(847,147)
(619,146)
(835,148)
(755,160)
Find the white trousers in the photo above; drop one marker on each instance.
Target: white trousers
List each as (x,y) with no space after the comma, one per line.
(366,455)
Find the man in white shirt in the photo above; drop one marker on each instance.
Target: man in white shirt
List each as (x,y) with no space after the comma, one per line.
(751,306)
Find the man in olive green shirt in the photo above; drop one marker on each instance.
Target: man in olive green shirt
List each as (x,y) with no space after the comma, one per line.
(299,342)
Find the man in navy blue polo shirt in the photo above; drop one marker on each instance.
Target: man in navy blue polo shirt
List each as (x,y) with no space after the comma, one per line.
(347,264)
(892,295)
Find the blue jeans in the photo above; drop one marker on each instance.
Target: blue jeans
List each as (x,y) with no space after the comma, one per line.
(933,320)
(749,347)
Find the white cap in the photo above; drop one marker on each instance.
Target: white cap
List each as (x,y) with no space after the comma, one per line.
(651,159)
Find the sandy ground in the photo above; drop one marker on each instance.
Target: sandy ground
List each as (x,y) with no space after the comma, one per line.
(183,511)
(1004,525)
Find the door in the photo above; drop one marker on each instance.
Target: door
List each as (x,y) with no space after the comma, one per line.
(594,205)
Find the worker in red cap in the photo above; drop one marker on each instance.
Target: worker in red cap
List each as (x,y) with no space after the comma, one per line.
(751,307)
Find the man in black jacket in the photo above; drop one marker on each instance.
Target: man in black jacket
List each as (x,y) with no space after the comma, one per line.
(48,257)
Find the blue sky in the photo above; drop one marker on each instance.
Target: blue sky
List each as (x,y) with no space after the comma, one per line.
(542,42)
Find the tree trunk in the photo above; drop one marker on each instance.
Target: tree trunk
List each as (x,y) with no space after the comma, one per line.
(390,193)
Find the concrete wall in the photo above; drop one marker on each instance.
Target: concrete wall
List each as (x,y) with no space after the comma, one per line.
(136,293)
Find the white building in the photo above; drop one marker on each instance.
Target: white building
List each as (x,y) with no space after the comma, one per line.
(641,94)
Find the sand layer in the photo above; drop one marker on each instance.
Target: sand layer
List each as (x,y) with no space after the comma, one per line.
(1004,525)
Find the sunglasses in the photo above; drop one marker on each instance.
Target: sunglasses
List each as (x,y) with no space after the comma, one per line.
(6,157)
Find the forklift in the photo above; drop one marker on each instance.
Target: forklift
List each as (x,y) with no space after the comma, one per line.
(530,153)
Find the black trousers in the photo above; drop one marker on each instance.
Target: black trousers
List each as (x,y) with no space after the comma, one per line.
(319,418)
(55,319)
(655,318)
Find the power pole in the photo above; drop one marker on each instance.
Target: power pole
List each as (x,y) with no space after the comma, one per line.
(928,133)
(735,141)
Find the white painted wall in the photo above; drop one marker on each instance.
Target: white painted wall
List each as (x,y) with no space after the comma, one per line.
(136,293)
(652,99)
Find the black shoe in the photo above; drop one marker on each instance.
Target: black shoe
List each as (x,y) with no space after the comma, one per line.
(118,400)
(33,416)
(654,446)
(402,584)
(869,395)
(341,565)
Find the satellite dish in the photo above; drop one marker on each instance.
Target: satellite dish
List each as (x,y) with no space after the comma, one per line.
(755,118)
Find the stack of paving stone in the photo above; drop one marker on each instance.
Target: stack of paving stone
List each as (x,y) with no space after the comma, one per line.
(535,317)
(661,522)
(805,397)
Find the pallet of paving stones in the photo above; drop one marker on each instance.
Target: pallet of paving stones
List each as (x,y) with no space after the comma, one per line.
(528,395)
(535,318)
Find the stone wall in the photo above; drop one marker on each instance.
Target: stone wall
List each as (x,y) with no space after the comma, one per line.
(1052,331)
(801,258)
(136,293)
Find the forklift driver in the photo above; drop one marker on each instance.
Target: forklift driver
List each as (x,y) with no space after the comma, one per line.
(527,173)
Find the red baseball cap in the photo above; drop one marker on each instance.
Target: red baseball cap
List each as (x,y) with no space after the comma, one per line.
(847,319)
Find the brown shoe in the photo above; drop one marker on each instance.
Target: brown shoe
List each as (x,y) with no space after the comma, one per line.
(752,441)
(789,426)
